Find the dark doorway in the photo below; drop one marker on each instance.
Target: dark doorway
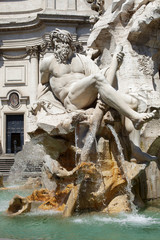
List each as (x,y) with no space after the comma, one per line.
(14,133)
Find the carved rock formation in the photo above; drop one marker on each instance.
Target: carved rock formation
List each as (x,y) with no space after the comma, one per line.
(18,205)
(118,204)
(134,24)
(89,186)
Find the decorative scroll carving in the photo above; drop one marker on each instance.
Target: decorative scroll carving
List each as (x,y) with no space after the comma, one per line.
(33,51)
(45,46)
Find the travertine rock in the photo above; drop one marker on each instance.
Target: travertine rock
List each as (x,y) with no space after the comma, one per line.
(40,195)
(133,170)
(19,205)
(54,200)
(118,204)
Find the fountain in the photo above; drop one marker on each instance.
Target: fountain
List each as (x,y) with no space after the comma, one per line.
(85,137)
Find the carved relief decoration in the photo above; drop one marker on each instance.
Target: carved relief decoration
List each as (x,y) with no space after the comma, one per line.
(146,65)
(33,51)
(14,100)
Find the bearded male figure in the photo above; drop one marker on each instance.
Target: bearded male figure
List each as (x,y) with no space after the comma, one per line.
(76,80)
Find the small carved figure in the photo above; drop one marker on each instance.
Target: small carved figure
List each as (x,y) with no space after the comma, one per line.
(76,80)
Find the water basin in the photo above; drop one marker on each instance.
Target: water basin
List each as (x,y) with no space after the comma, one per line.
(50,225)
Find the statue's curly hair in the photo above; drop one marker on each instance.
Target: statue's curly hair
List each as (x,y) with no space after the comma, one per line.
(62,35)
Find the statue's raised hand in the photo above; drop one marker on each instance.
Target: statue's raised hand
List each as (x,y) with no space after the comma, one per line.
(120,56)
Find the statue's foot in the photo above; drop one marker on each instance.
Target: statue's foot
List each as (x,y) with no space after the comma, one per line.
(144,117)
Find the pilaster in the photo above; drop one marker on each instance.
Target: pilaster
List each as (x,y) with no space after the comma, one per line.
(34,72)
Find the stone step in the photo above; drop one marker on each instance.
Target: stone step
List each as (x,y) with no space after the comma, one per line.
(6,162)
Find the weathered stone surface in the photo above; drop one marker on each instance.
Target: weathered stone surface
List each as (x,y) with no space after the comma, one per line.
(133,170)
(72,200)
(40,195)
(32,183)
(145,23)
(19,205)
(118,204)
(55,200)
(139,38)
(56,124)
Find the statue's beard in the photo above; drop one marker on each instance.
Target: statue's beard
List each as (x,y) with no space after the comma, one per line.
(62,55)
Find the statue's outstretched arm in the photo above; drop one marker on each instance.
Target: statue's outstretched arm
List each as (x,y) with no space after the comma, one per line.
(116,60)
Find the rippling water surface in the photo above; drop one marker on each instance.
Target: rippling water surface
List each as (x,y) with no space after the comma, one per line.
(50,225)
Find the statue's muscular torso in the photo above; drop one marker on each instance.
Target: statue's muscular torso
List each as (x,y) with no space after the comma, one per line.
(62,76)
(69,82)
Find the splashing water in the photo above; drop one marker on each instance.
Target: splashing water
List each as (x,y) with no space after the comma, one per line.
(77,209)
(101,180)
(50,225)
(122,219)
(129,184)
(76,145)
(28,162)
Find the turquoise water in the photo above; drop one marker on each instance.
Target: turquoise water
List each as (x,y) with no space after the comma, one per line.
(50,225)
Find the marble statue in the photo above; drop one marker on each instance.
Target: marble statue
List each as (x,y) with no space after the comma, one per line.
(76,80)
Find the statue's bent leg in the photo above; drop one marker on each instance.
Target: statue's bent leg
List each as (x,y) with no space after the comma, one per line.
(114,99)
(82,94)
(134,135)
(130,100)
(84,91)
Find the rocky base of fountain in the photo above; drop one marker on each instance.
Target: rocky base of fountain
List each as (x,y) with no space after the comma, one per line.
(89,186)
(85,166)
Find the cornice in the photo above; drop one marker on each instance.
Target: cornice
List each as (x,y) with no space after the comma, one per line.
(19,26)
(64,17)
(22,12)
(44,18)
